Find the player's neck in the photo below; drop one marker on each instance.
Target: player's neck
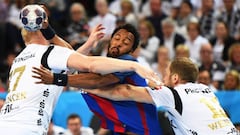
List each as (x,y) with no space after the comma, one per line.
(37,38)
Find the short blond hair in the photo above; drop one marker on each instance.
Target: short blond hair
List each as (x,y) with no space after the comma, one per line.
(185,68)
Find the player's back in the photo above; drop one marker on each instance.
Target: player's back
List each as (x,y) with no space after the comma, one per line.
(28,104)
(201,111)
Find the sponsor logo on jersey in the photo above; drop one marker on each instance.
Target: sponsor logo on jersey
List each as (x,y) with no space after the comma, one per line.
(23,58)
(191,91)
(12,97)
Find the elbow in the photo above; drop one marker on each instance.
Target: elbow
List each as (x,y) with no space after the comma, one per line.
(93,67)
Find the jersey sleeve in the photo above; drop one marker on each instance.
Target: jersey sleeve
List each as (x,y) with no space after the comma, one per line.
(162,97)
(58,57)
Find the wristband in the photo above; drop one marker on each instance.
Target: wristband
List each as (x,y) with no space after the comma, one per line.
(48,33)
(60,79)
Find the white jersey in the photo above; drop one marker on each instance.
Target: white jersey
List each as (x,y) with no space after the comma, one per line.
(29,105)
(193,110)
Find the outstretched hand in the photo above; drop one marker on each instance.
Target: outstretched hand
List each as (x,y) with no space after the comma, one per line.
(150,75)
(96,33)
(44,75)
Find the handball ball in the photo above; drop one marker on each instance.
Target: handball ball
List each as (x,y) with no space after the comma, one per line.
(32,17)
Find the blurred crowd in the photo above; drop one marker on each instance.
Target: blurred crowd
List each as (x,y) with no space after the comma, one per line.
(206,31)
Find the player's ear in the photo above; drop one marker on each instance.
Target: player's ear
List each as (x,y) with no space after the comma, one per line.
(175,78)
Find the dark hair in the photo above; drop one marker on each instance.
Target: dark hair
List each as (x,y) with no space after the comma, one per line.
(188,3)
(130,28)
(185,68)
(225,24)
(73,116)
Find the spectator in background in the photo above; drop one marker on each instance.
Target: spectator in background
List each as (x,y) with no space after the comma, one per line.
(184,16)
(74,125)
(163,61)
(14,42)
(234,57)
(182,51)
(55,130)
(204,77)
(221,42)
(231,16)
(148,42)
(120,21)
(115,6)
(216,68)
(208,18)
(170,38)
(156,17)
(127,12)
(194,40)
(78,28)
(103,17)
(171,7)
(231,81)
(142,60)
(168,7)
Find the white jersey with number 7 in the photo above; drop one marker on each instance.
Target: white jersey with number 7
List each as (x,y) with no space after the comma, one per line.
(29,106)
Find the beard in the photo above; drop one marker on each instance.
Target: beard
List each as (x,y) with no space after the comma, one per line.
(113,52)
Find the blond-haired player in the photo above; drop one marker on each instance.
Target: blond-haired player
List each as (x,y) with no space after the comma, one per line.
(193,108)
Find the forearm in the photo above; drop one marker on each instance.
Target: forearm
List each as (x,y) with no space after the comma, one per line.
(91,80)
(86,47)
(109,65)
(116,93)
(123,92)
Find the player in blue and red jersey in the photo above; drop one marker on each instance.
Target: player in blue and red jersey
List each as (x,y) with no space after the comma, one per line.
(118,116)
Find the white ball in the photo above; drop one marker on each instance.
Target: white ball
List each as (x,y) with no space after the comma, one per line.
(32,17)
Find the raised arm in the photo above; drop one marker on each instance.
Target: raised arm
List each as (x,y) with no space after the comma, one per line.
(50,35)
(123,92)
(96,35)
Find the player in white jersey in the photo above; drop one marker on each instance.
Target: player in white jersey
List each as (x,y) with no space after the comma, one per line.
(29,106)
(193,108)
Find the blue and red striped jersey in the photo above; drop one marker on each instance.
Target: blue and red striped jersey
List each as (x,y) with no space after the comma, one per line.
(125,116)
